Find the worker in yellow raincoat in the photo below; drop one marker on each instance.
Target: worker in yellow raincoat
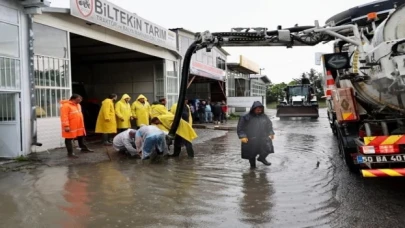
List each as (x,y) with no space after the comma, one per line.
(185,133)
(106,122)
(141,111)
(187,111)
(123,113)
(159,108)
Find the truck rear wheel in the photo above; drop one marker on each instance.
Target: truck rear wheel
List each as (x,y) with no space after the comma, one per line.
(334,131)
(346,154)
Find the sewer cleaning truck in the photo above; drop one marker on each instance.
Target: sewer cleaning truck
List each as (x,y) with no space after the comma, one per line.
(365,89)
(364,79)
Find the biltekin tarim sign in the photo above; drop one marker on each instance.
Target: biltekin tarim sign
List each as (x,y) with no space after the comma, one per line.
(108,15)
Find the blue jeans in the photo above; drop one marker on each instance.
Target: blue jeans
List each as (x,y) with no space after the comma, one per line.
(155,143)
(208,117)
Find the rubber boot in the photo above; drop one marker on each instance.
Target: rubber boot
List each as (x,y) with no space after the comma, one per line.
(264,161)
(176,151)
(252,162)
(190,150)
(82,146)
(106,141)
(69,147)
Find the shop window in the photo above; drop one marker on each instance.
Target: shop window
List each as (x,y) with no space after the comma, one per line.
(50,41)
(52,84)
(9,73)
(7,107)
(48,101)
(172,85)
(159,81)
(172,82)
(220,63)
(9,40)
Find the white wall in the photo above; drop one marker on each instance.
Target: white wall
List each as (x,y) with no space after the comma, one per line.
(133,78)
(49,134)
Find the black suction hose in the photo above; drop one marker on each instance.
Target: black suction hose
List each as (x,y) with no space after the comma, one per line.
(183,89)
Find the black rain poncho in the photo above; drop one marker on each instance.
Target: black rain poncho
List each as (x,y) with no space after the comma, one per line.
(257,128)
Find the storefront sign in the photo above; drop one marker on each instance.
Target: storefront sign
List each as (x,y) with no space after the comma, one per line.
(108,15)
(242,102)
(203,70)
(246,63)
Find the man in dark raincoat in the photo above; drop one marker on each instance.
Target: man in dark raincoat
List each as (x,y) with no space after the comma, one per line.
(255,130)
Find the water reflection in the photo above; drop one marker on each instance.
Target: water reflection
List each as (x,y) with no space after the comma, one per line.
(256,202)
(77,196)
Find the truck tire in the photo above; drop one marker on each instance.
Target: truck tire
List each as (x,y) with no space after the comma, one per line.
(331,123)
(334,131)
(345,153)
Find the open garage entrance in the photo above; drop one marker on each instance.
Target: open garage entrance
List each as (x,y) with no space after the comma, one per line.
(206,89)
(99,69)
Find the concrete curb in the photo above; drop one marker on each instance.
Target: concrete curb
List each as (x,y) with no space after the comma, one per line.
(222,128)
(199,126)
(225,128)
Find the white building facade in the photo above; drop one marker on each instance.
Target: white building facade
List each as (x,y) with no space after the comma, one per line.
(85,50)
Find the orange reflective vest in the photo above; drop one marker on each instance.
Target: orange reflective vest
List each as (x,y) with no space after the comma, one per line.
(71,116)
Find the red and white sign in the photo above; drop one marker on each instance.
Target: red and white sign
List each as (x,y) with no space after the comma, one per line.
(207,71)
(85,7)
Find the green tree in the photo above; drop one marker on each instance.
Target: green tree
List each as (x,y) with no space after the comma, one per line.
(275,92)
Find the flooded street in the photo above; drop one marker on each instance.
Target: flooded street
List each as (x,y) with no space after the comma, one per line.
(307,185)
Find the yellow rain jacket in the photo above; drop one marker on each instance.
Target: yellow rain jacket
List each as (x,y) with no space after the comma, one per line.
(141,111)
(157,110)
(123,113)
(190,117)
(184,130)
(106,118)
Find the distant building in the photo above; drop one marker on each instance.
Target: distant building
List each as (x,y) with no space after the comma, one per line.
(244,80)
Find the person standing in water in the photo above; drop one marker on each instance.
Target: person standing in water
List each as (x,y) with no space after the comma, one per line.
(255,130)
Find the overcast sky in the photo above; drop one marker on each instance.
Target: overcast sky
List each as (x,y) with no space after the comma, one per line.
(280,64)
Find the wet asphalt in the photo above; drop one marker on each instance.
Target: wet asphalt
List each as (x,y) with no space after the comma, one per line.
(307,185)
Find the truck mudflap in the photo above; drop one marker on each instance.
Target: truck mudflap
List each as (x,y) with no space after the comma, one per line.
(383,172)
(297,111)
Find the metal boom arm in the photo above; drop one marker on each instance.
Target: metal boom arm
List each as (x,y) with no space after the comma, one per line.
(242,37)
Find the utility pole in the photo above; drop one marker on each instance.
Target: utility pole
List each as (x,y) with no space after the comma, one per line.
(261,70)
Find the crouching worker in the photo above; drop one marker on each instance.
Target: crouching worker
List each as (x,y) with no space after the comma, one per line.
(184,136)
(125,142)
(149,139)
(255,130)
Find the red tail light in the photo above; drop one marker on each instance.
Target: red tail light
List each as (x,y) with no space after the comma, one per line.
(382,149)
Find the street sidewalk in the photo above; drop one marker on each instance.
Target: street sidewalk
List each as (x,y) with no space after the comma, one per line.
(58,157)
